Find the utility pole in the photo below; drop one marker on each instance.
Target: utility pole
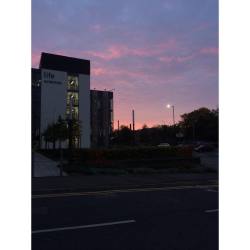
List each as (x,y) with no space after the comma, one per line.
(173,115)
(133,119)
(133,122)
(118,125)
(172,106)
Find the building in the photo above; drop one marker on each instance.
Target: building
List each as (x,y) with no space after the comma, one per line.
(63,91)
(101,110)
(61,88)
(36,104)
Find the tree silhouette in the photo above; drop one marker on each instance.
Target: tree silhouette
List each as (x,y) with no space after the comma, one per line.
(201,124)
(61,131)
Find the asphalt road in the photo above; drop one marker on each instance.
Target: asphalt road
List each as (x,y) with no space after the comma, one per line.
(169,219)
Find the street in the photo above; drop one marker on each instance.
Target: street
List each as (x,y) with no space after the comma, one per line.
(183,218)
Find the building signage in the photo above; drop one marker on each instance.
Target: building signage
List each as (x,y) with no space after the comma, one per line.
(49,77)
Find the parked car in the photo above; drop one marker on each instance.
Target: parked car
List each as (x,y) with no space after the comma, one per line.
(163,145)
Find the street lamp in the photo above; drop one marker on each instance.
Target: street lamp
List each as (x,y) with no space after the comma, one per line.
(171,106)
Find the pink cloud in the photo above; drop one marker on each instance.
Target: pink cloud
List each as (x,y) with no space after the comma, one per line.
(209,51)
(120,50)
(109,54)
(175,59)
(98,71)
(106,70)
(35,59)
(155,49)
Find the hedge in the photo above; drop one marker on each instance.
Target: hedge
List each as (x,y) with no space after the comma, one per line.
(86,155)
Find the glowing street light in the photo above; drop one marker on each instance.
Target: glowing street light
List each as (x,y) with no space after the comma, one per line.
(171,106)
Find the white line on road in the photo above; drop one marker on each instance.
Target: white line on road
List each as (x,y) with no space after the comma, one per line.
(212,211)
(83,226)
(121,191)
(212,190)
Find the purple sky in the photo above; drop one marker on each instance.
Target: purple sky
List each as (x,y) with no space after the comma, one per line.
(152,52)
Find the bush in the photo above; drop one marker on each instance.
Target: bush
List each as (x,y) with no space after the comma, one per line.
(100,155)
(84,160)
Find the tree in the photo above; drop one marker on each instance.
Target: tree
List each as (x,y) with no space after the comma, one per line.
(74,131)
(123,137)
(201,124)
(144,135)
(61,131)
(48,135)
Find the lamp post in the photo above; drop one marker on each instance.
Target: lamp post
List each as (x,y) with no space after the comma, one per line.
(171,106)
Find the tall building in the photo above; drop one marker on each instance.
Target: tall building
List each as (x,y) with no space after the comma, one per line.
(64,92)
(61,88)
(101,117)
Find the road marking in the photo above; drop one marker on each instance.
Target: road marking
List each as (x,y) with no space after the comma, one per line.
(50,190)
(212,190)
(83,226)
(120,191)
(212,211)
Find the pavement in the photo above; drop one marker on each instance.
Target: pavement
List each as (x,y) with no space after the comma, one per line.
(44,167)
(64,184)
(132,211)
(167,218)
(209,159)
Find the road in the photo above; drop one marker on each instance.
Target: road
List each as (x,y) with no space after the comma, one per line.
(183,218)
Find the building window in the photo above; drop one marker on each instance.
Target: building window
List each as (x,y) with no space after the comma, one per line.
(73,84)
(72,98)
(72,104)
(75,113)
(76,142)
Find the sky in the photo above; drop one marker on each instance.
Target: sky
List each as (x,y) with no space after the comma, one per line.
(149,52)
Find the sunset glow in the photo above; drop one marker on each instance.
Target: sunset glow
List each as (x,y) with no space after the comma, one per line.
(151,52)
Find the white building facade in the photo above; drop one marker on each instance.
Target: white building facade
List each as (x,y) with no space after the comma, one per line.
(65,93)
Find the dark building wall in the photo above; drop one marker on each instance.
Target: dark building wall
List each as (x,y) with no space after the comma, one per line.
(64,63)
(101,117)
(35,103)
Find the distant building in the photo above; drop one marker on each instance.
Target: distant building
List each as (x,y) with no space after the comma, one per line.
(101,117)
(36,104)
(61,88)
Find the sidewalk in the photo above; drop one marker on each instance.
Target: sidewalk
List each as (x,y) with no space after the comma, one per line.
(107,182)
(209,159)
(44,167)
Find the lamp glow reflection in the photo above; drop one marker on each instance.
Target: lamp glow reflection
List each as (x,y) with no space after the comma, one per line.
(171,106)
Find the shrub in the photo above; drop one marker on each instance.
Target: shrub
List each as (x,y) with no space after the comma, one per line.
(107,156)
